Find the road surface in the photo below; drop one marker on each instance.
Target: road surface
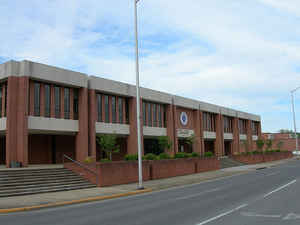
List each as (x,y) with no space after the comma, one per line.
(264,197)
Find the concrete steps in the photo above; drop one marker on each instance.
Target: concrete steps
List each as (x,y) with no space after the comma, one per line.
(35,181)
(227,162)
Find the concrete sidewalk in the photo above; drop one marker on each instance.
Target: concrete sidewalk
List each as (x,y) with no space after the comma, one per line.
(92,194)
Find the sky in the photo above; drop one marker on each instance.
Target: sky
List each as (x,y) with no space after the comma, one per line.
(239,54)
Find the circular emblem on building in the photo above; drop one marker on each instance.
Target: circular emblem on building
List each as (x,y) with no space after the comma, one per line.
(183,118)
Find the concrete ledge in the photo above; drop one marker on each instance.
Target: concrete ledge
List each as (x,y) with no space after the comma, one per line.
(228,136)
(254,137)
(184,133)
(3,124)
(112,128)
(29,208)
(53,125)
(154,131)
(243,137)
(209,135)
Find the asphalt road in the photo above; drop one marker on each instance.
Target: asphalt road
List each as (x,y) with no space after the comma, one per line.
(265,197)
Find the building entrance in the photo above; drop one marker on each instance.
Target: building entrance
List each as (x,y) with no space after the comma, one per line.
(227,147)
(2,151)
(209,146)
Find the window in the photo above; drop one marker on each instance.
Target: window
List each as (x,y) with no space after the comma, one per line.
(75,103)
(57,101)
(37,99)
(227,122)
(1,95)
(120,103)
(127,110)
(113,109)
(99,107)
(106,103)
(5,109)
(154,115)
(149,115)
(67,103)
(47,100)
(242,126)
(159,116)
(144,114)
(165,116)
(209,122)
(254,127)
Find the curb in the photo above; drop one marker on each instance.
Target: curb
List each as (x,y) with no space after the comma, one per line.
(92,199)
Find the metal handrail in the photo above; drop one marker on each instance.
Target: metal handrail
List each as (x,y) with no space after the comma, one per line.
(82,166)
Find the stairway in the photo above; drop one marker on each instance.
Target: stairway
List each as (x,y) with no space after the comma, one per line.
(227,162)
(36,181)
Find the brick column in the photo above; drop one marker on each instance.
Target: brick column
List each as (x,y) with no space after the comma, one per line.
(31,98)
(170,127)
(197,130)
(201,133)
(249,136)
(92,120)
(17,123)
(3,100)
(132,145)
(218,141)
(175,122)
(236,136)
(259,130)
(82,139)
(222,134)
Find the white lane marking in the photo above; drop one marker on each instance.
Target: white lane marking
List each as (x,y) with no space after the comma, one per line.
(280,188)
(223,214)
(292,216)
(198,194)
(250,214)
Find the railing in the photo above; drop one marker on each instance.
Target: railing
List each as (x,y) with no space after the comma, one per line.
(82,166)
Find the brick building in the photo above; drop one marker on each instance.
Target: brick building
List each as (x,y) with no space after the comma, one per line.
(47,112)
(288,141)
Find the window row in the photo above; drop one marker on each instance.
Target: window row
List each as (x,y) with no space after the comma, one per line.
(154,114)
(3,100)
(228,127)
(112,109)
(242,126)
(209,122)
(254,127)
(56,98)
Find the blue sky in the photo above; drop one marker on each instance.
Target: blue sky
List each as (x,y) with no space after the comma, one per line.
(239,54)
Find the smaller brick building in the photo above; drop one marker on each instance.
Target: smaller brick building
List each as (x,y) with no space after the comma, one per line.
(288,140)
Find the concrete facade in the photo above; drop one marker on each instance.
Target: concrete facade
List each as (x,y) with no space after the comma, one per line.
(41,105)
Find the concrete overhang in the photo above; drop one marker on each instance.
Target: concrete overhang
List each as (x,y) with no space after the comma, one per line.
(207,107)
(185,102)
(112,128)
(154,131)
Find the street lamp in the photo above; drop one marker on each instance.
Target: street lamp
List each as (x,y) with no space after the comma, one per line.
(294,116)
(138,97)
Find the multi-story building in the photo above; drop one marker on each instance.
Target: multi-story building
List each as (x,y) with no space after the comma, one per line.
(47,112)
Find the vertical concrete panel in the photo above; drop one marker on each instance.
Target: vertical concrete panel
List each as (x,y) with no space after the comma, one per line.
(92,120)
(132,145)
(82,136)
(197,130)
(71,103)
(52,101)
(42,100)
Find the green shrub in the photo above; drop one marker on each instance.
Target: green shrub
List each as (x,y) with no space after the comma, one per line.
(132,157)
(255,152)
(248,153)
(208,154)
(195,154)
(180,155)
(88,160)
(105,160)
(150,156)
(164,156)
(188,155)
(277,150)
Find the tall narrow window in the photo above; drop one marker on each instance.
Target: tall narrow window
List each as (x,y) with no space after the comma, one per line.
(57,101)
(144,114)
(37,99)
(47,100)
(149,115)
(127,110)
(75,103)
(154,115)
(113,109)
(120,103)
(67,103)
(1,95)
(159,116)
(5,109)
(165,115)
(106,104)
(99,107)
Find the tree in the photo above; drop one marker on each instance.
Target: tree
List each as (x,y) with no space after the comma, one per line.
(108,143)
(279,145)
(190,140)
(260,144)
(269,144)
(164,142)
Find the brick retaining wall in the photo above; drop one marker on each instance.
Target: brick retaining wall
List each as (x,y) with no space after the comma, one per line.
(261,158)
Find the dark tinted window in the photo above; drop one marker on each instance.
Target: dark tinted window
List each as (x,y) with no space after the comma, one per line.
(99,107)
(67,103)
(76,103)
(37,99)
(120,102)
(57,101)
(113,109)
(47,100)
(106,109)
